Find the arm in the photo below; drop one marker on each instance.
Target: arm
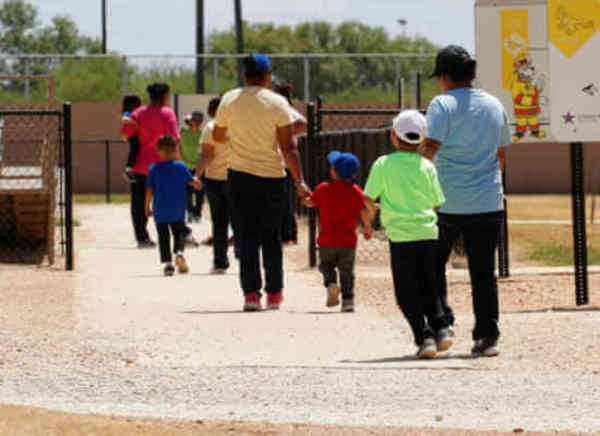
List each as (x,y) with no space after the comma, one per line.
(289,150)
(502,158)
(149,194)
(300,127)
(365,218)
(220,134)
(429,148)
(206,158)
(370,209)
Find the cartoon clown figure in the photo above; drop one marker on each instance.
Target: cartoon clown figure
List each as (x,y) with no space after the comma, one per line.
(526,96)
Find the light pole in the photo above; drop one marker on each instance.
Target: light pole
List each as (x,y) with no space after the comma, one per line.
(199,46)
(403,24)
(103,26)
(239,31)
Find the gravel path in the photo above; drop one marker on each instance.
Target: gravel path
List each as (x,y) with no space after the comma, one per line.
(118,338)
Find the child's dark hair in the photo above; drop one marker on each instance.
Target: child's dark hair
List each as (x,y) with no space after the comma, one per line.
(284,89)
(213,106)
(131,103)
(157,91)
(465,71)
(167,143)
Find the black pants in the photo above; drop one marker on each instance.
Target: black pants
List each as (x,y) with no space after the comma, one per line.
(257,206)
(415,285)
(343,260)
(480,233)
(220,212)
(289,227)
(134,148)
(164,231)
(195,199)
(138,208)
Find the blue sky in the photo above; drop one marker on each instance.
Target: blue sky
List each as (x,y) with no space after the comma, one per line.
(167,26)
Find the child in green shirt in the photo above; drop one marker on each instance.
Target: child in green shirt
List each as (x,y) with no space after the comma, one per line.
(409,191)
(190,151)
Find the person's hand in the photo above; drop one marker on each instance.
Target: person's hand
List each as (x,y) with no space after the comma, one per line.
(303,190)
(197,184)
(367,232)
(148,212)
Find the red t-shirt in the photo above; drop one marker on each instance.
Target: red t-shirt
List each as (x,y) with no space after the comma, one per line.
(152,123)
(340,204)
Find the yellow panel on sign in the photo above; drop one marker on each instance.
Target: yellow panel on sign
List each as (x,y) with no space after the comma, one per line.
(571,23)
(515,42)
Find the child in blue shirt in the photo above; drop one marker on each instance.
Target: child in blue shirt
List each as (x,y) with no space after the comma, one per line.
(167,184)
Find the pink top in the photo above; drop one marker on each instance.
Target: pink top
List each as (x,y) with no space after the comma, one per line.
(152,123)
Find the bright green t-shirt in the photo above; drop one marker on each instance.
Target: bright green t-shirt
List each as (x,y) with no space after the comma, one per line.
(409,189)
(190,146)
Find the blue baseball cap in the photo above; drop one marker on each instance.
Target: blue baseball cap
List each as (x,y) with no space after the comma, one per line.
(257,64)
(345,164)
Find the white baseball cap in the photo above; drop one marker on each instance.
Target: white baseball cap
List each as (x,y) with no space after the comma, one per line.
(410,126)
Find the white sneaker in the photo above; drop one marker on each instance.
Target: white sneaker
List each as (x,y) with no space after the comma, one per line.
(182,265)
(427,350)
(486,347)
(333,295)
(191,240)
(444,339)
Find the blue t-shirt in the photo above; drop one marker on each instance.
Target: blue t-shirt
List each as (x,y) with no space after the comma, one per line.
(169,179)
(471,125)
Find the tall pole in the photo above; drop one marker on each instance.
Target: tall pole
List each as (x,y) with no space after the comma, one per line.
(240,38)
(103,26)
(199,46)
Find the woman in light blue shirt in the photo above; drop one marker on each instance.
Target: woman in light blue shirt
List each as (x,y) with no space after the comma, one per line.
(468,129)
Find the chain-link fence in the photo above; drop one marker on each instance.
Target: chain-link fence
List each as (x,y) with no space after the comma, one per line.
(33,192)
(337,78)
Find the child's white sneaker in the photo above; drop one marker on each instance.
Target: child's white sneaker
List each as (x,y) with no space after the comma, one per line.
(427,350)
(182,265)
(333,295)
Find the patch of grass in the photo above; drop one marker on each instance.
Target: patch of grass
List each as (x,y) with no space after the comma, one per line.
(100,198)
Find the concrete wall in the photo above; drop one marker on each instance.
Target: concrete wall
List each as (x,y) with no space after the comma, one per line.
(531,168)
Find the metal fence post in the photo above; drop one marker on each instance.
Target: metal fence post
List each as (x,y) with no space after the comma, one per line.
(68,162)
(418,94)
(312,214)
(503,243)
(215,78)
(401,93)
(124,75)
(27,89)
(579,224)
(306,62)
(107,170)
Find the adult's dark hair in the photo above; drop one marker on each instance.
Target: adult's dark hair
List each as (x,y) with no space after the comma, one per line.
(213,105)
(284,89)
(167,142)
(131,103)
(157,91)
(456,62)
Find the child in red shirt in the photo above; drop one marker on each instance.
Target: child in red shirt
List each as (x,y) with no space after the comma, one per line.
(341,204)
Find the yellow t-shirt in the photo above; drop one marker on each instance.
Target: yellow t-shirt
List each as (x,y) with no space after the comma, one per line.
(252,116)
(217,170)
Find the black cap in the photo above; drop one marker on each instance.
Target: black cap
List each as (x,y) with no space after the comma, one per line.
(452,59)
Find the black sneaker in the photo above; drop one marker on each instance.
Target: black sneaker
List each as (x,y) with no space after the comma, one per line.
(169,270)
(486,347)
(348,305)
(148,243)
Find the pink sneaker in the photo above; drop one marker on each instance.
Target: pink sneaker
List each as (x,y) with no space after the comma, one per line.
(252,302)
(274,301)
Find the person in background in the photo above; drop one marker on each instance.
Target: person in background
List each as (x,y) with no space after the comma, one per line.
(341,204)
(212,168)
(259,128)
(130,103)
(289,226)
(149,123)
(468,130)
(166,189)
(190,139)
(410,193)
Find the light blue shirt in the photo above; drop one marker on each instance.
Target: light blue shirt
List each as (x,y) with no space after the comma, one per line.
(471,125)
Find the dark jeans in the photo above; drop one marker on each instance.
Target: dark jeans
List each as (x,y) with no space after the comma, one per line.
(289,227)
(343,260)
(195,199)
(164,231)
(220,212)
(138,212)
(480,233)
(257,206)
(414,273)
(134,148)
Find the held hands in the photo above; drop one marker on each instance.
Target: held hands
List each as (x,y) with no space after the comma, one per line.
(302,190)
(197,184)
(367,232)
(148,212)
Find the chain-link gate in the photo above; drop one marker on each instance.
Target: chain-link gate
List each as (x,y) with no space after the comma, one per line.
(35,185)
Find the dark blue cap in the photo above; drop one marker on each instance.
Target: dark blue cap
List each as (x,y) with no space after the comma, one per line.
(257,64)
(345,164)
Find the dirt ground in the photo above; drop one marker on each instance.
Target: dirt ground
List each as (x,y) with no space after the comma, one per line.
(37,422)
